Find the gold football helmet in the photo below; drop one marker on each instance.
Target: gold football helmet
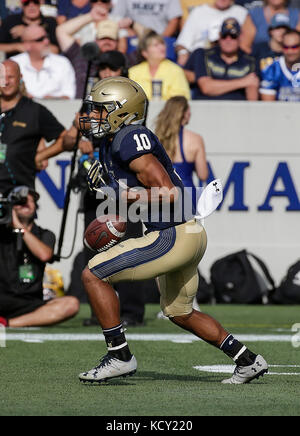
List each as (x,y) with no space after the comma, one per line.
(114,102)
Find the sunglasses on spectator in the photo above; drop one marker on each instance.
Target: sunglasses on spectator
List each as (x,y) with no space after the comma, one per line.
(230,35)
(40,39)
(27,2)
(102,1)
(291,47)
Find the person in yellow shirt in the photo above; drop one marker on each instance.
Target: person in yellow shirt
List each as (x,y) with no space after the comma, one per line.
(160,78)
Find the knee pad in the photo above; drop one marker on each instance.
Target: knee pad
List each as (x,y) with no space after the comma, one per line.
(177,309)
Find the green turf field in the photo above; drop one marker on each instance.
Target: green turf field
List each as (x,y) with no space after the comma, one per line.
(39,368)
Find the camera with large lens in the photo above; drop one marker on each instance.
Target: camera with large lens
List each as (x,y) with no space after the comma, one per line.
(7,204)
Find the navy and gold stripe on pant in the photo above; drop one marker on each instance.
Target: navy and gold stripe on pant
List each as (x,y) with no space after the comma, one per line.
(172,255)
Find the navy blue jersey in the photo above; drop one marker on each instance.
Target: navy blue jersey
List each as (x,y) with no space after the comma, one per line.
(209,63)
(129,144)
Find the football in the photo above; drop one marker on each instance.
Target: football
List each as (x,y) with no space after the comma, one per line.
(104,232)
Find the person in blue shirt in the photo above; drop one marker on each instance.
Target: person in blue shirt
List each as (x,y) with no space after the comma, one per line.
(134,166)
(255,27)
(281,80)
(68,9)
(267,52)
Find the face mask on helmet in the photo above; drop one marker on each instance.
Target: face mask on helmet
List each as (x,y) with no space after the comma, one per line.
(113,104)
(97,122)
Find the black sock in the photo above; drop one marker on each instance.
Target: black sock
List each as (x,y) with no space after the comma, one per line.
(116,343)
(237,351)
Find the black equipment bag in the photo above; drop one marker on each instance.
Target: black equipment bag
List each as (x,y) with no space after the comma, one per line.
(288,291)
(236,281)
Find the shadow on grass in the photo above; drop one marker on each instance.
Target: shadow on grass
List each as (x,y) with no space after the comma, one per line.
(151,376)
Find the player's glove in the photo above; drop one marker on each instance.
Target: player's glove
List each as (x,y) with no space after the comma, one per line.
(95,176)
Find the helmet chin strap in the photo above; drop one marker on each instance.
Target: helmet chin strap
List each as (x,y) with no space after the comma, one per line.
(130,119)
(127,122)
(136,123)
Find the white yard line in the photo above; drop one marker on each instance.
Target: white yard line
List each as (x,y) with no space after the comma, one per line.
(157,337)
(228,369)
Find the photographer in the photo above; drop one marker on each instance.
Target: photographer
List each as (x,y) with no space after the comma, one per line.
(25,248)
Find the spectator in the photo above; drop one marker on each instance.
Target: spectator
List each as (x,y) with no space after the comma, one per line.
(68,9)
(194,34)
(25,249)
(255,28)
(23,124)
(281,80)
(71,30)
(189,67)
(250,4)
(88,32)
(14,25)
(106,39)
(185,148)
(46,75)
(267,52)
(187,7)
(49,8)
(161,16)
(112,64)
(159,77)
(225,72)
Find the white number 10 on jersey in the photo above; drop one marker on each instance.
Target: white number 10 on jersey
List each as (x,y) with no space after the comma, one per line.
(142,141)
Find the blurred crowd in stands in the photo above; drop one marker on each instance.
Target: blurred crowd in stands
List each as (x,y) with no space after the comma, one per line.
(199,49)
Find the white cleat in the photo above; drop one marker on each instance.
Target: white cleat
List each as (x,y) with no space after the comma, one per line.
(245,374)
(109,368)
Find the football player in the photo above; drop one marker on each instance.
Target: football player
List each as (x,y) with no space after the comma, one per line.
(172,246)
